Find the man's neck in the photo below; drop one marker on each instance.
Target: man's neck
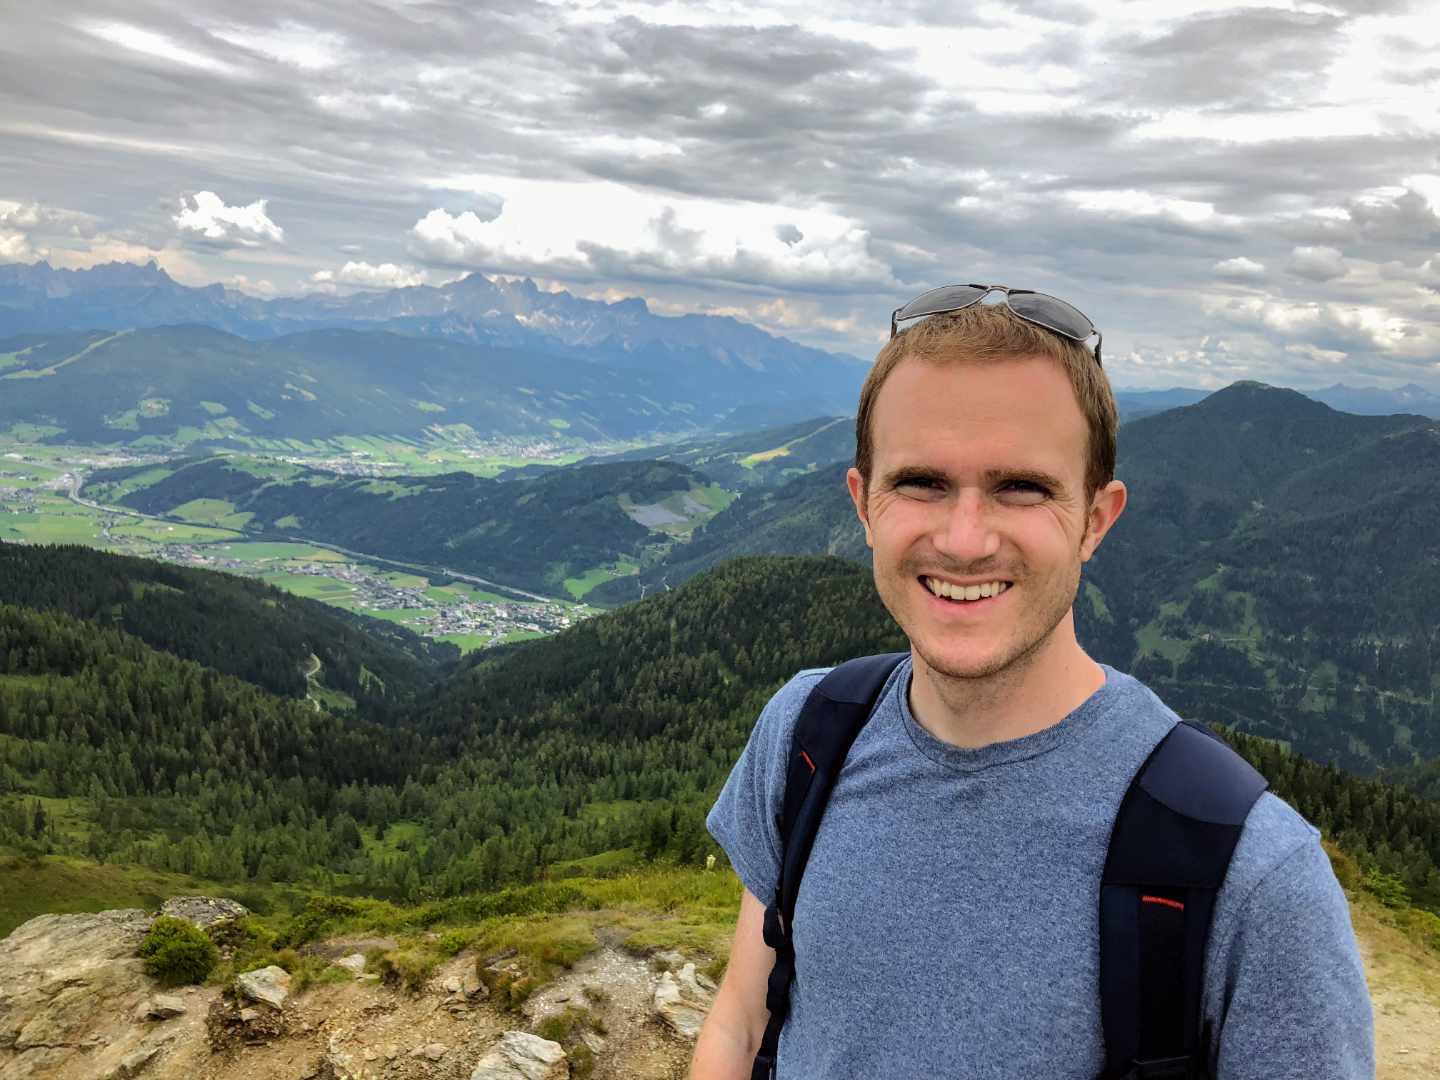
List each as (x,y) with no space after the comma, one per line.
(1029,696)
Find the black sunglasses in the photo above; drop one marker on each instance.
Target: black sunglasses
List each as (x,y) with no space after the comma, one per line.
(1039,308)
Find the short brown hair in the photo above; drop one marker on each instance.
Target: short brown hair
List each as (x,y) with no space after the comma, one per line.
(987,333)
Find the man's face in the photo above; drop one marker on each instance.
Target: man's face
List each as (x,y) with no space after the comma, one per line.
(978,479)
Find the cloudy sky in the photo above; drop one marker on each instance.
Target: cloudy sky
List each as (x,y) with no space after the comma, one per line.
(1249,192)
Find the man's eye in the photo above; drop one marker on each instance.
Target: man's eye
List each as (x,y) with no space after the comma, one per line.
(1027,488)
(918,482)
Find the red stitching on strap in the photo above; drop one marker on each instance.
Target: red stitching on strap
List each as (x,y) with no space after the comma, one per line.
(1176,904)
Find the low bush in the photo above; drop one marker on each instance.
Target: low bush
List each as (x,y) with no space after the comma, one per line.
(177,952)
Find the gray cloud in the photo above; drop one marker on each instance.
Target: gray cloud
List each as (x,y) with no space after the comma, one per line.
(357,122)
(1248,56)
(1317,263)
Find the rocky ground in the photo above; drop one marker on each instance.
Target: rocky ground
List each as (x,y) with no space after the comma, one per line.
(73,1005)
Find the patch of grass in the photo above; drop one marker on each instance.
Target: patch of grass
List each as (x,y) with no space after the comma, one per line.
(409,967)
(12,359)
(539,948)
(63,883)
(605,864)
(578,587)
(467,643)
(213,512)
(254,552)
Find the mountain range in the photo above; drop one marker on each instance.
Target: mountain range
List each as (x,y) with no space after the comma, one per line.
(474,310)
(192,385)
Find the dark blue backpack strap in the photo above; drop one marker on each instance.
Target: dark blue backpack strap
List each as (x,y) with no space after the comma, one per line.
(831,718)
(1170,849)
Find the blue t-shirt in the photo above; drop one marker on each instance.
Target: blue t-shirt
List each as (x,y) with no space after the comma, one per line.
(946,925)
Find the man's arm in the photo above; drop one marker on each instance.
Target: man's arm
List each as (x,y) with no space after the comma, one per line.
(733,1030)
(1297,1005)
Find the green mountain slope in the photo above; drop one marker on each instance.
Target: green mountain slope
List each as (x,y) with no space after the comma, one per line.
(234,625)
(765,458)
(1275,568)
(804,516)
(533,533)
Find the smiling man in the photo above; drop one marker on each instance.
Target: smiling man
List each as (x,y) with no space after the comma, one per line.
(946,922)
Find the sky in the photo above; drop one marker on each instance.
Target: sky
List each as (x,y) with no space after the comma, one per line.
(1228,193)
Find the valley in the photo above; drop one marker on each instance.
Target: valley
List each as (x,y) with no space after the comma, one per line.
(39,504)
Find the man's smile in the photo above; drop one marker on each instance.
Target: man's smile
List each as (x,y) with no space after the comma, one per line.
(954,594)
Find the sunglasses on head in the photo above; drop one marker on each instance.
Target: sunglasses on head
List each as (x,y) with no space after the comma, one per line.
(1039,308)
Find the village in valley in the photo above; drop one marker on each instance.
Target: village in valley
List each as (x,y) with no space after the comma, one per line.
(40,503)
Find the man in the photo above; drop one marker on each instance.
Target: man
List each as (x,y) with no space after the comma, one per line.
(946,924)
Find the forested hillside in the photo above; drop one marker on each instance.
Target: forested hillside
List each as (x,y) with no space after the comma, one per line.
(614,735)
(236,625)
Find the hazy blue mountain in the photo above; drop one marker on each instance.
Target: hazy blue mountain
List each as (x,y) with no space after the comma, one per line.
(1133,404)
(196,384)
(476,310)
(1373,401)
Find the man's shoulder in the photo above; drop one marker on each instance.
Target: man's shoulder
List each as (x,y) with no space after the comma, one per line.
(1273,832)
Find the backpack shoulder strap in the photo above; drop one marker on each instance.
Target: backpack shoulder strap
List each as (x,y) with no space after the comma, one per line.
(831,718)
(1169,851)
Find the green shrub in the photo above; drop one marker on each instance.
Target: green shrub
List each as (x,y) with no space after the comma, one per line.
(177,952)
(1389,888)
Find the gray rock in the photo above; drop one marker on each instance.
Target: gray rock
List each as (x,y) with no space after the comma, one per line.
(268,985)
(683,1001)
(354,963)
(134,1063)
(453,985)
(160,1007)
(249,1014)
(203,911)
(522,1056)
(430,1051)
(57,974)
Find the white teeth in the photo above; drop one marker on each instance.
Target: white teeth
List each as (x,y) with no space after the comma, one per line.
(965,592)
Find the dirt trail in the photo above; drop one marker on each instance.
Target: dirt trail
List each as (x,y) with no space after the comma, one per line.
(1405,992)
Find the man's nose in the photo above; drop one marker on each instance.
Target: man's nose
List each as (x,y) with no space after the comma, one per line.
(966,532)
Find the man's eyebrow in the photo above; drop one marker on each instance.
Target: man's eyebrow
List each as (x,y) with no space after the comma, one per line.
(1030,476)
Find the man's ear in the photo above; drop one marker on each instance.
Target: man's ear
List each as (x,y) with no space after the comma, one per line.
(1107,505)
(856,483)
